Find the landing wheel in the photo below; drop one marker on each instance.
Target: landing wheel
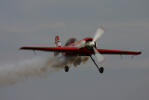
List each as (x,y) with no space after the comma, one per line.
(66,68)
(101,69)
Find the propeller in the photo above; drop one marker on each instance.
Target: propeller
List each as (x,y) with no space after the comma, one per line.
(98,34)
(98,55)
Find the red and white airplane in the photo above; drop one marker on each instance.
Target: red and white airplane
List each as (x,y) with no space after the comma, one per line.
(76,52)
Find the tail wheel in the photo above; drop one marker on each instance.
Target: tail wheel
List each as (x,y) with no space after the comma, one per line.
(66,68)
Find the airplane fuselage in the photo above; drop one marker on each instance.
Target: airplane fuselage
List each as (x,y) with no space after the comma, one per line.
(67,59)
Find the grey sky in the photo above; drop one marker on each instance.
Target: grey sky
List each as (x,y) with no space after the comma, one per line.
(32,22)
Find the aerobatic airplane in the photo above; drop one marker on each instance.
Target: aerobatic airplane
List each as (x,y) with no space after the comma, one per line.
(76,52)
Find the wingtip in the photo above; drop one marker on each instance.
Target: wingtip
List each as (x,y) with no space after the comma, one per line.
(21,48)
(139,52)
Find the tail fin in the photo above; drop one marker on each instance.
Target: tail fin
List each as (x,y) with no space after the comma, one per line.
(57,43)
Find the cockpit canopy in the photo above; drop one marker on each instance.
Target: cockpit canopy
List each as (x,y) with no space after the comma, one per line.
(88,39)
(70,41)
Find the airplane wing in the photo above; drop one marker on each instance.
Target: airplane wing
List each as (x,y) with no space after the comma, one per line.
(81,51)
(119,52)
(52,49)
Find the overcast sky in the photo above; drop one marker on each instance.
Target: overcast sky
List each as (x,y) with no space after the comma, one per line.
(34,22)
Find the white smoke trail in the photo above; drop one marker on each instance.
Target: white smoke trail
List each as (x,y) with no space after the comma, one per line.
(11,74)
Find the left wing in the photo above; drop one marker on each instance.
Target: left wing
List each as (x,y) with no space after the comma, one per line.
(120,52)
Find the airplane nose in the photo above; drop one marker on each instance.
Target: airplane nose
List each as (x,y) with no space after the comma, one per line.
(93,44)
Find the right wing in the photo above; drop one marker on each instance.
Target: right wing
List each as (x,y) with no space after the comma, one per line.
(52,49)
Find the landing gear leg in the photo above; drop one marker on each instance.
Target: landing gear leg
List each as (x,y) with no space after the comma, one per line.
(66,68)
(101,69)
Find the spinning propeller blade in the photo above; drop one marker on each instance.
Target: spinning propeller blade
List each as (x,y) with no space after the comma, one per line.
(99,57)
(98,34)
